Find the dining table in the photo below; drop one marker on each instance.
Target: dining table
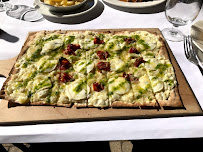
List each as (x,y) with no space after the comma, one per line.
(13,33)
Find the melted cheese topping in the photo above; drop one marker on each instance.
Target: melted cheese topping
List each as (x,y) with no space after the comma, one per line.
(51,45)
(25,73)
(38,76)
(77,90)
(40,82)
(80,66)
(144,81)
(99,99)
(118,85)
(40,95)
(117,65)
(87,44)
(20,97)
(46,65)
(90,66)
(162,77)
(114,44)
(117,88)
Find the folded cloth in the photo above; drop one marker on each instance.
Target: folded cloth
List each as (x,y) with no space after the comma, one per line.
(24,12)
(197,35)
(197,31)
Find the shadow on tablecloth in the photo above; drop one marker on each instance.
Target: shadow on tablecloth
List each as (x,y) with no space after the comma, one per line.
(8,37)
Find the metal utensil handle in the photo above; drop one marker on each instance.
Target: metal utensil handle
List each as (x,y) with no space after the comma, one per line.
(200,68)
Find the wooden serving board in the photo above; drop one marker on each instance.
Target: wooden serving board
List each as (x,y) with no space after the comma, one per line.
(50,114)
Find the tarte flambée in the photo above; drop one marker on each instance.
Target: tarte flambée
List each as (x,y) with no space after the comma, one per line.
(94,69)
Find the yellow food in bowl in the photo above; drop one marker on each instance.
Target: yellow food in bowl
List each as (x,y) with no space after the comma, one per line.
(63,3)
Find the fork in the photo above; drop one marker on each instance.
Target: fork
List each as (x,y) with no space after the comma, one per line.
(190,53)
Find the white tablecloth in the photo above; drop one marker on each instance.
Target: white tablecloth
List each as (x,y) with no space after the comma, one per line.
(158,128)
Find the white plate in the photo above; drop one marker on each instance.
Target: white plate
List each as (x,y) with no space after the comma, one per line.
(64,17)
(134,4)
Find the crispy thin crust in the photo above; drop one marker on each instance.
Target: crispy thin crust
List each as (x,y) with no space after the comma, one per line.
(163,51)
(81,104)
(173,100)
(12,103)
(43,103)
(120,104)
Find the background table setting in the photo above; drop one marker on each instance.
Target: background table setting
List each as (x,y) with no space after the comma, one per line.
(98,14)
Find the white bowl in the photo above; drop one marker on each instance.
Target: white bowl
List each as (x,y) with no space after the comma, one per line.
(62,9)
(138,5)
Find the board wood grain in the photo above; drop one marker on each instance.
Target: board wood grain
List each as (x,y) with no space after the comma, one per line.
(20,115)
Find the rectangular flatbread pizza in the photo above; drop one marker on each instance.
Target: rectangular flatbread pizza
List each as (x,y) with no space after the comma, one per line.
(94,69)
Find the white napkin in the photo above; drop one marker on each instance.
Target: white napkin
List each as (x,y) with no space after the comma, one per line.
(197,31)
(197,35)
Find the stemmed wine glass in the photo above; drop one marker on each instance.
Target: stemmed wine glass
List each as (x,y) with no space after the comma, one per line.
(5,6)
(180,13)
(22,12)
(2,6)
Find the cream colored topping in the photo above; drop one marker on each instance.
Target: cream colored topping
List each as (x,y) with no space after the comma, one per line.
(77,90)
(51,45)
(117,65)
(99,99)
(155,74)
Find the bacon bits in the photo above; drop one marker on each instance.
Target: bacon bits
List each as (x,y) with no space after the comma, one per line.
(129,40)
(139,61)
(97,86)
(127,76)
(133,50)
(130,77)
(98,41)
(71,48)
(64,63)
(103,66)
(102,55)
(65,77)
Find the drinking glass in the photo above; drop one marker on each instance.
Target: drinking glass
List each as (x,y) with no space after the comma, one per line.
(2,6)
(180,13)
(22,12)
(5,6)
